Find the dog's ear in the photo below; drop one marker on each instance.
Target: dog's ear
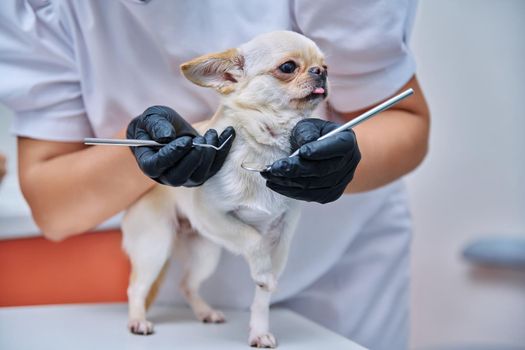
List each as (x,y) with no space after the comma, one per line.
(217,70)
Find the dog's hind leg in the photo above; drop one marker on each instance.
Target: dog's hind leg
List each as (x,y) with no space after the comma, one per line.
(201,258)
(148,237)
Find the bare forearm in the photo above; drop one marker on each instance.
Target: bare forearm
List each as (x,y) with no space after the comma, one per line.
(393,143)
(386,156)
(73,192)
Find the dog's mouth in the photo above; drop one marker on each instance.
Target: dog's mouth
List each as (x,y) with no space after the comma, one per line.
(317,92)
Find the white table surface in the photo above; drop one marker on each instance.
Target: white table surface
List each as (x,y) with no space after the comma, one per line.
(103,326)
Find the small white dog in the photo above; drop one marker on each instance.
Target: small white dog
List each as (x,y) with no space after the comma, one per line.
(267,85)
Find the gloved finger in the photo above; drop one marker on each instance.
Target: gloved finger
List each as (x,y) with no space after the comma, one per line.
(182,127)
(281,181)
(138,128)
(292,167)
(305,183)
(208,155)
(158,128)
(211,137)
(145,158)
(338,145)
(345,173)
(179,173)
(154,162)
(227,134)
(143,134)
(131,130)
(221,155)
(328,126)
(320,195)
(305,131)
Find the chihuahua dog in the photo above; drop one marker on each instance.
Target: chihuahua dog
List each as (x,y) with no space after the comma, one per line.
(266,85)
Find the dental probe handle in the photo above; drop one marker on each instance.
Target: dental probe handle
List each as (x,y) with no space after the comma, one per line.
(365,116)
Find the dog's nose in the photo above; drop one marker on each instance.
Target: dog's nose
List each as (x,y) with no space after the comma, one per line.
(315,70)
(319,73)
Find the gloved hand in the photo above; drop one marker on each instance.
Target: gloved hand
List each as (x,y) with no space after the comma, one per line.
(177,163)
(322,170)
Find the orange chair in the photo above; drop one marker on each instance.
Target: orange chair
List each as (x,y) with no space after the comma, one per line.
(83,269)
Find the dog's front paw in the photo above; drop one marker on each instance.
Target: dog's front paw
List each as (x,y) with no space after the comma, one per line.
(211,316)
(140,327)
(265,340)
(266,281)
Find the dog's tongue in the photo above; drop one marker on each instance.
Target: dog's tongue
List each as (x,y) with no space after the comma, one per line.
(319,90)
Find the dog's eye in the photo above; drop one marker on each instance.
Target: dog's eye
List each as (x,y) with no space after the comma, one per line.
(288,67)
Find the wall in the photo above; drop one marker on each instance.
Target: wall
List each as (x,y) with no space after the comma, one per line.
(471,57)
(7,141)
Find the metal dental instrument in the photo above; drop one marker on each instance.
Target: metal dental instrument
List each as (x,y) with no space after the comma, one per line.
(141,143)
(354,122)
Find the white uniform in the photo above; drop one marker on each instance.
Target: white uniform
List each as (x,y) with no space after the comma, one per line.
(75,69)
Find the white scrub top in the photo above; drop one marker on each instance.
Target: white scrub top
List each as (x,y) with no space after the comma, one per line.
(75,69)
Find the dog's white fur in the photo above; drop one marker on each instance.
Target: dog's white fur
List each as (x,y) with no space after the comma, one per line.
(233,209)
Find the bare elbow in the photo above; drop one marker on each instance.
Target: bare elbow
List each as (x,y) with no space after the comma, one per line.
(52,221)
(53,236)
(421,149)
(52,229)
(59,228)
(423,152)
(425,142)
(55,209)
(56,223)
(49,223)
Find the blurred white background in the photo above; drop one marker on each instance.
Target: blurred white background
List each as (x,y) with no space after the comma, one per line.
(471,58)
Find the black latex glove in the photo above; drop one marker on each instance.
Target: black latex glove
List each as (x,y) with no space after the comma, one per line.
(177,163)
(322,170)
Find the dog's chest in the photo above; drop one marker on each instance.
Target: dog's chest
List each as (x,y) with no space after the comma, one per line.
(244,194)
